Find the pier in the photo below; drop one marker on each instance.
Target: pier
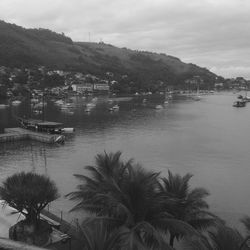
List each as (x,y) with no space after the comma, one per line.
(17,134)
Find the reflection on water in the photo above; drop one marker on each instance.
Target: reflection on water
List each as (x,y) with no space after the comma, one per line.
(208,138)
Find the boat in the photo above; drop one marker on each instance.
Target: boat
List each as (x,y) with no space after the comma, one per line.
(196,98)
(16,102)
(68,130)
(34,100)
(116,107)
(158,107)
(90,105)
(246,98)
(66,106)
(88,110)
(37,111)
(3,106)
(60,139)
(59,102)
(239,104)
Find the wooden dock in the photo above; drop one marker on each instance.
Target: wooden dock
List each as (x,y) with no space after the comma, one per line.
(16,134)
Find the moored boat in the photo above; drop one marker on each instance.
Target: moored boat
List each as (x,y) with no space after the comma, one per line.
(116,107)
(16,102)
(239,104)
(3,106)
(158,107)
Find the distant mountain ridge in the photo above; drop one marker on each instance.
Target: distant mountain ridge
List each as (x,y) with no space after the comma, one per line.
(20,47)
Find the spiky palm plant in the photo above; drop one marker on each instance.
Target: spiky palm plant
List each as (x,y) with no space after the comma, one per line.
(29,194)
(190,205)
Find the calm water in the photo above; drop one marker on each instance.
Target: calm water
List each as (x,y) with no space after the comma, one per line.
(208,138)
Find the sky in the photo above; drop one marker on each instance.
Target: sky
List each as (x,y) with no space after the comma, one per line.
(214,34)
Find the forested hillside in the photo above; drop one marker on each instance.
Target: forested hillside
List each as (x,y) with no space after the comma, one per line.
(20,47)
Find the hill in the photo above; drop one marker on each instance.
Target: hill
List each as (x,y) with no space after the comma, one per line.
(20,47)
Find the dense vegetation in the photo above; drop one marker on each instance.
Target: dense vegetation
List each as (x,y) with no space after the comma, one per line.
(29,194)
(20,47)
(133,208)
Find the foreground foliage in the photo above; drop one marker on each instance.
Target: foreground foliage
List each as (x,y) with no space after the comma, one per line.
(29,194)
(148,208)
(190,207)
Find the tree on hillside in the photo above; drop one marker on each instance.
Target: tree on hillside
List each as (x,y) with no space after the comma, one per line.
(191,207)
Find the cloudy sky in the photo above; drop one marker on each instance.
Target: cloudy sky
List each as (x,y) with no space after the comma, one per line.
(210,33)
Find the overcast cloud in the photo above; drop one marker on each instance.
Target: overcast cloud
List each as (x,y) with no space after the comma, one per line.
(210,33)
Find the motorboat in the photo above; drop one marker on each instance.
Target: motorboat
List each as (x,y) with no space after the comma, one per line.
(158,107)
(116,107)
(59,102)
(3,106)
(16,102)
(239,104)
(246,98)
(90,105)
(88,110)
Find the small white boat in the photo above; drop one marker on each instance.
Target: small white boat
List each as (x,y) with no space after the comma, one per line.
(196,98)
(87,110)
(36,111)
(158,107)
(239,104)
(3,106)
(60,139)
(68,130)
(16,102)
(34,100)
(90,105)
(40,105)
(59,102)
(67,106)
(116,107)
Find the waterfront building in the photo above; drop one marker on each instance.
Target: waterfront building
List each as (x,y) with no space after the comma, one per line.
(82,87)
(101,87)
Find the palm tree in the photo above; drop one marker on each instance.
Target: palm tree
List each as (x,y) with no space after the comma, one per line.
(190,205)
(127,194)
(97,236)
(29,194)
(246,222)
(222,238)
(108,170)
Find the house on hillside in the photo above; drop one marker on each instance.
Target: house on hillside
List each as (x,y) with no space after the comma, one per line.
(101,87)
(83,88)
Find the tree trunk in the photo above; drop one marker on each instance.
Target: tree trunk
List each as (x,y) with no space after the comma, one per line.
(171,240)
